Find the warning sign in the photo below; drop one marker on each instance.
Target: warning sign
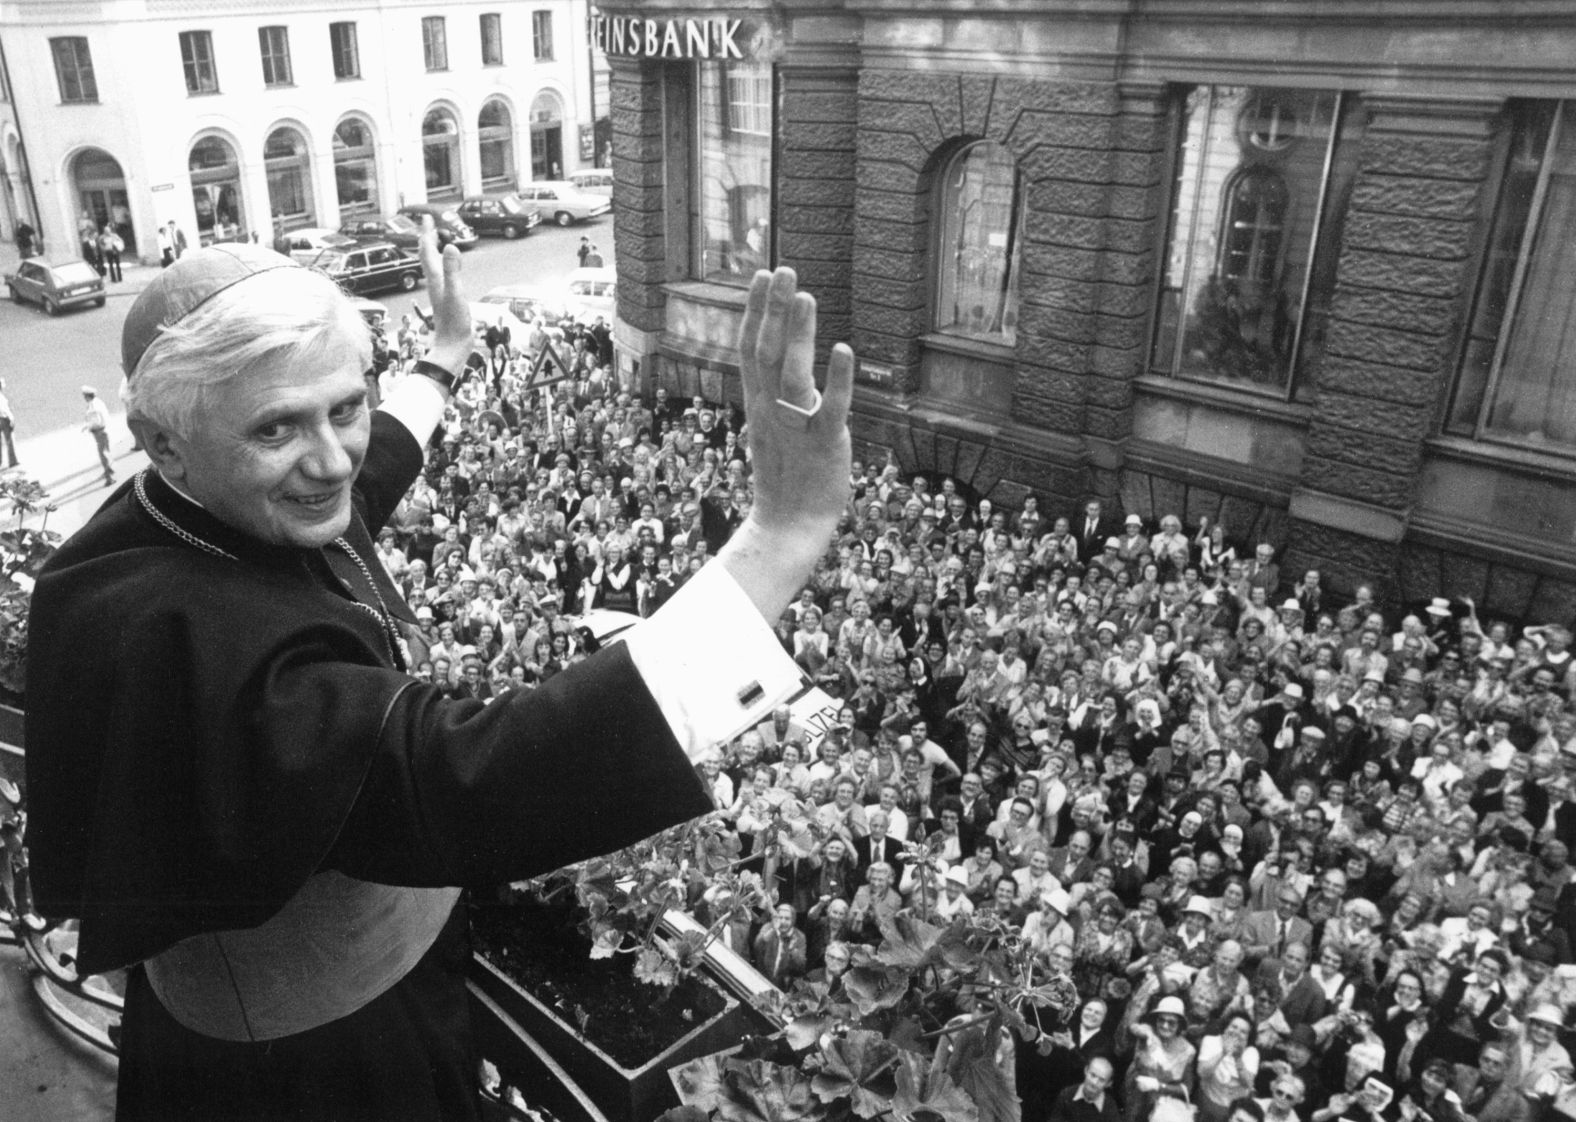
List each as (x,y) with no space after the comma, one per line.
(548,368)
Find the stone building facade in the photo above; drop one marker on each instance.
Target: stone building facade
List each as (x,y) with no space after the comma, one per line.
(1294,268)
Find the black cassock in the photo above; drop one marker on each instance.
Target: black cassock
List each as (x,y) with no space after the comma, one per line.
(213,720)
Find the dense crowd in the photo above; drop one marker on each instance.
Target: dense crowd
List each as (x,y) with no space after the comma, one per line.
(1274,854)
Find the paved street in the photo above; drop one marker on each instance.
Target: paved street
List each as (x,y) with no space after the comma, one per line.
(45,361)
(46,1075)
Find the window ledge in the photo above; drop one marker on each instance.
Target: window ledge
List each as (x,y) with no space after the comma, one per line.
(709,292)
(347,78)
(974,348)
(203,93)
(278,85)
(1224,397)
(1517,457)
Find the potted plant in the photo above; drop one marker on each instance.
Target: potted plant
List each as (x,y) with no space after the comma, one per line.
(23,551)
(590,964)
(916,1029)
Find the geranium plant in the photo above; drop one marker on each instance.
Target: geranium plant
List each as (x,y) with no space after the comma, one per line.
(23,551)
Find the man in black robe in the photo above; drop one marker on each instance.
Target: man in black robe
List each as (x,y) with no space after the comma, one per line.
(235,786)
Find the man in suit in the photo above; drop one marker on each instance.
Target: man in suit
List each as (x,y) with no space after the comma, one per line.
(1486,1094)
(1300,1000)
(1071,863)
(877,845)
(1091,531)
(1089,1101)
(780,947)
(1269,934)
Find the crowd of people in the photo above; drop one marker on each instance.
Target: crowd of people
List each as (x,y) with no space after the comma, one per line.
(1276,854)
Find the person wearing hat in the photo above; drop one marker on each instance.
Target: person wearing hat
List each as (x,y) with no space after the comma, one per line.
(235,786)
(1488,1092)
(1162,1057)
(1541,1063)
(95,422)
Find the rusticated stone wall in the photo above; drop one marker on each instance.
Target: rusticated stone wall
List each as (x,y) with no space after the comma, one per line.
(640,228)
(1404,277)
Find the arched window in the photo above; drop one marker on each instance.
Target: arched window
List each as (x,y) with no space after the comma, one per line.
(216,191)
(1255,220)
(495,139)
(355,168)
(440,147)
(981,232)
(289,167)
(547,136)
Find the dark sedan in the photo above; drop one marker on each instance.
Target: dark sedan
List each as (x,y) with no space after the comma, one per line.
(70,284)
(370,268)
(505,215)
(397,229)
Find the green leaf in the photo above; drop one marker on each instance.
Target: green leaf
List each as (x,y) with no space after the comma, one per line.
(655,969)
(699,1082)
(920,1095)
(762,1092)
(876,987)
(803,1032)
(858,1066)
(972,1066)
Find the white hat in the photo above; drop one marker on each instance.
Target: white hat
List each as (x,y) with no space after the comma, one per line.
(1291,605)
(1170,1007)
(1133,518)
(1201,905)
(1549,1013)
(958,875)
(1438,606)
(1292,689)
(89,391)
(1058,899)
(424,612)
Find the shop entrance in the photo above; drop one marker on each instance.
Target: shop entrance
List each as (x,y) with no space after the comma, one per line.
(101,193)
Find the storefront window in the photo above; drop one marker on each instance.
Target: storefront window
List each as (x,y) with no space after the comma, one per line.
(495,139)
(289,172)
(216,191)
(733,175)
(982,229)
(355,168)
(1517,381)
(1257,206)
(440,145)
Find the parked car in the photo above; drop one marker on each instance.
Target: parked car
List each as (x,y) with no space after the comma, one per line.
(309,241)
(504,215)
(593,181)
(526,301)
(593,292)
(563,202)
(69,284)
(370,268)
(397,229)
(445,216)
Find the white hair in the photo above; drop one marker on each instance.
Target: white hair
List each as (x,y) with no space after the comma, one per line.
(295,316)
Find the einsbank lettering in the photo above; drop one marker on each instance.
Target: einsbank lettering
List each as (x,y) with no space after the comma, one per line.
(667,38)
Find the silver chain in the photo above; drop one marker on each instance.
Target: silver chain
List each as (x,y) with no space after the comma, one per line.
(139,486)
(381,613)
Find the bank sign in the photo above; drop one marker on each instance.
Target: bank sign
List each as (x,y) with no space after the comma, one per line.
(667,38)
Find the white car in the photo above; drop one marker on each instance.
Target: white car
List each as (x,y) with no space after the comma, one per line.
(526,301)
(593,292)
(309,241)
(593,181)
(563,202)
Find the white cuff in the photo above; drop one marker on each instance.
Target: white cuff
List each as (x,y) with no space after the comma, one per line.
(711,662)
(416,402)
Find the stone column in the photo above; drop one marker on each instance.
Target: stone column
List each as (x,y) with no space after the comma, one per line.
(1408,262)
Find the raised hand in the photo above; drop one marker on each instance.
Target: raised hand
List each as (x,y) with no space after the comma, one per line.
(452,331)
(798,439)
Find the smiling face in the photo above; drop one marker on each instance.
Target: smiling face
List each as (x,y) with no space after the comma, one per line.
(275,454)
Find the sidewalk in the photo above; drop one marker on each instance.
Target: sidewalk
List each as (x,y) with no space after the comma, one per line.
(64,460)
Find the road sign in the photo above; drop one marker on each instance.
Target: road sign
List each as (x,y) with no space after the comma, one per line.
(548,368)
